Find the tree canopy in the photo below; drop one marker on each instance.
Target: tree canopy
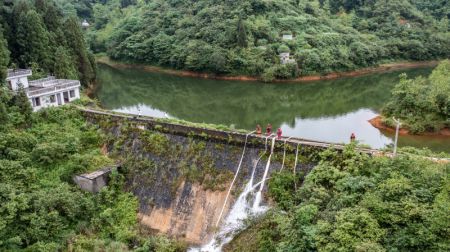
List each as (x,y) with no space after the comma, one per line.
(423,104)
(39,36)
(4,55)
(328,35)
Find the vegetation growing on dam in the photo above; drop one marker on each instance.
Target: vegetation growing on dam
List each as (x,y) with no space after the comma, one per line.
(178,160)
(246,37)
(423,104)
(353,202)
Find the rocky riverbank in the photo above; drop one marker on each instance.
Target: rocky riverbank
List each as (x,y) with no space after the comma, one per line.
(377,122)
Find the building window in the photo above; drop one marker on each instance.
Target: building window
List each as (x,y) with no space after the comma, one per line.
(52,98)
(72,93)
(36,102)
(19,84)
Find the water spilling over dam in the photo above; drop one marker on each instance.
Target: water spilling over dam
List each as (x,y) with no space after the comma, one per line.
(188,179)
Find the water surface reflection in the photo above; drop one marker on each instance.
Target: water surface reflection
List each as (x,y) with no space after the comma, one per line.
(324,110)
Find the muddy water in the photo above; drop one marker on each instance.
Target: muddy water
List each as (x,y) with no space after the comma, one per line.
(322,110)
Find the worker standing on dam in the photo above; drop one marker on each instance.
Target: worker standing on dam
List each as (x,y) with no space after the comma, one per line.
(258,129)
(279,133)
(269,129)
(352,137)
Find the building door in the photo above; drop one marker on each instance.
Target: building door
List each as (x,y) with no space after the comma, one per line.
(66,97)
(58,98)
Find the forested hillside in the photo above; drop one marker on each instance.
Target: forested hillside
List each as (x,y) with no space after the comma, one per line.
(245,37)
(36,34)
(423,104)
(40,207)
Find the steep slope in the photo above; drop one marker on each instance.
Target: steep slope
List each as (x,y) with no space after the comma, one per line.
(246,37)
(38,36)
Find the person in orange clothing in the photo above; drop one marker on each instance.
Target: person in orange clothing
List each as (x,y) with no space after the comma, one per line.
(258,129)
(352,137)
(279,133)
(269,129)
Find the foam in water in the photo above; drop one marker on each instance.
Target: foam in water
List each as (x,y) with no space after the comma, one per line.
(241,210)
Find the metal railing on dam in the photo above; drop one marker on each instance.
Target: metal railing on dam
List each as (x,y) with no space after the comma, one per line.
(231,136)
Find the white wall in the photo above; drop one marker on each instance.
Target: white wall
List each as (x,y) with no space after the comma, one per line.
(77,94)
(46,101)
(16,80)
(288,37)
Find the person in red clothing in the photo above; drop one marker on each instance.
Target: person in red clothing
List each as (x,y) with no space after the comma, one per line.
(352,137)
(258,129)
(279,132)
(269,129)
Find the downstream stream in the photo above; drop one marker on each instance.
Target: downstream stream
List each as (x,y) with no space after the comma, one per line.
(322,110)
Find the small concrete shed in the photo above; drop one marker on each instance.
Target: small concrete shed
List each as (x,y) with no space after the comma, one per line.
(95,181)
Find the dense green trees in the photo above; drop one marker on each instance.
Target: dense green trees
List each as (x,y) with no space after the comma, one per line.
(41,209)
(32,39)
(328,35)
(4,55)
(77,47)
(423,104)
(23,104)
(353,202)
(39,36)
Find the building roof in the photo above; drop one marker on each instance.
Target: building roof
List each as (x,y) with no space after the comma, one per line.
(49,85)
(98,173)
(85,23)
(11,73)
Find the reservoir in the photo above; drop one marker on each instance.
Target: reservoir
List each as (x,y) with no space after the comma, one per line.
(328,110)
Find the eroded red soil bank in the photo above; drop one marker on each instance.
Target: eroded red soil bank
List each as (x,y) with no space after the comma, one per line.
(378,123)
(183,73)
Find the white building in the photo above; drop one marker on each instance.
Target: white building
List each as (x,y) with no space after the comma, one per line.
(85,24)
(288,37)
(45,92)
(285,58)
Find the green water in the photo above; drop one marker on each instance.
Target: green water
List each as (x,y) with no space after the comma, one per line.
(322,110)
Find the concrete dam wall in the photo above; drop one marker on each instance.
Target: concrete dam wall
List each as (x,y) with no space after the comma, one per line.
(181,174)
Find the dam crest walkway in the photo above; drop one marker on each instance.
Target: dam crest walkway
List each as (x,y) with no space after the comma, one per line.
(145,122)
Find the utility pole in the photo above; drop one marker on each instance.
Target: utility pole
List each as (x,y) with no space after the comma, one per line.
(396,135)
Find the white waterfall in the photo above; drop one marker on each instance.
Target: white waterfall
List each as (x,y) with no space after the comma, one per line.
(284,153)
(258,197)
(234,179)
(241,210)
(259,159)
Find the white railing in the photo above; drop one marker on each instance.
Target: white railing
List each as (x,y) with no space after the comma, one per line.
(64,85)
(49,81)
(18,72)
